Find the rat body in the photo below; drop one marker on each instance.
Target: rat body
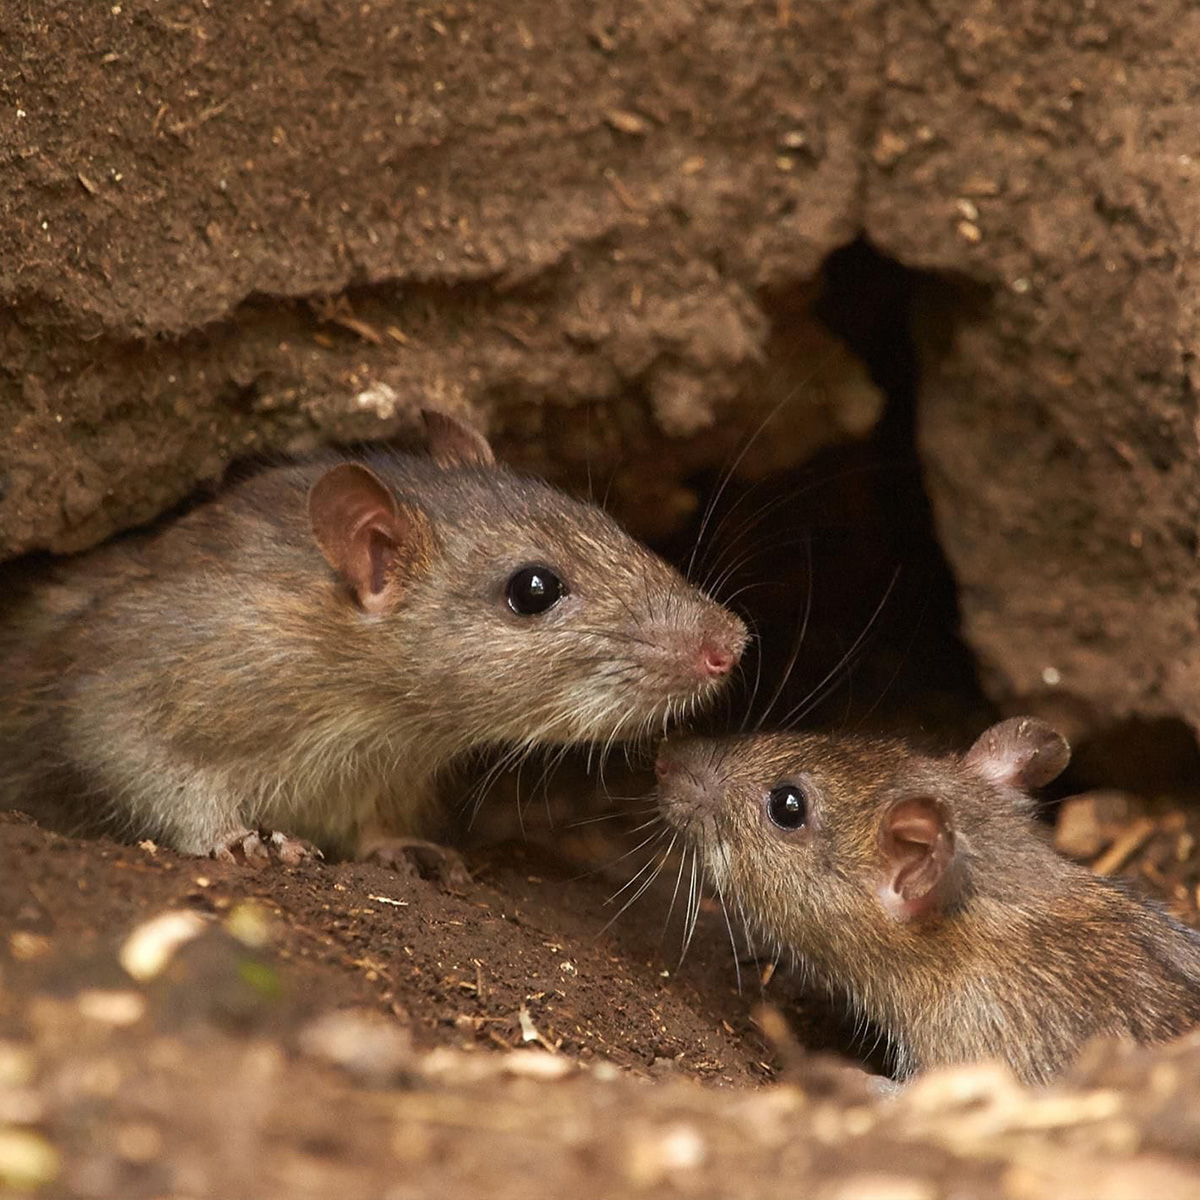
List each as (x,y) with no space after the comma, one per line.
(921,890)
(310,650)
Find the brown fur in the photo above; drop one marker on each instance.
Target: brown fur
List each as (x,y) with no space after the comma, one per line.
(1026,955)
(217,674)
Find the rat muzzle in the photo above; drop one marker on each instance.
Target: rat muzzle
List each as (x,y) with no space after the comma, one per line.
(688,790)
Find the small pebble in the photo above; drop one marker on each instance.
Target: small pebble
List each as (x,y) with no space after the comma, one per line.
(657,1154)
(151,946)
(111,1007)
(879,1186)
(366,1045)
(27,1160)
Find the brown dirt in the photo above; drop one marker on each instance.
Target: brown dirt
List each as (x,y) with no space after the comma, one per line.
(228,235)
(493,1038)
(618,233)
(605,231)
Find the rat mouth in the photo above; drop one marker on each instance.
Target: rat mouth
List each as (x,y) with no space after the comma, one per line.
(687,810)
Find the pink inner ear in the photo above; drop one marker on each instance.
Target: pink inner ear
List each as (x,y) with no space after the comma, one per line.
(377,548)
(914,822)
(356,523)
(918,848)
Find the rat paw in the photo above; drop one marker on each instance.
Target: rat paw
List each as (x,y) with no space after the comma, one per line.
(254,849)
(425,859)
(291,851)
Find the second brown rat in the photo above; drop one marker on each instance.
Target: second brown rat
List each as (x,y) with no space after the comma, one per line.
(310,651)
(921,890)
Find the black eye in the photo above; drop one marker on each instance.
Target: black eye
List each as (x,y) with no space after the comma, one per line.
(787,806)
(533,590)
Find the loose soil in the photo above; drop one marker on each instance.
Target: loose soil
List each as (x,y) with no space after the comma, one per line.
(346,1029)
(618,237)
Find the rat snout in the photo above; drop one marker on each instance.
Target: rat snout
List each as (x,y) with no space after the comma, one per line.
(721,646)
(685,794)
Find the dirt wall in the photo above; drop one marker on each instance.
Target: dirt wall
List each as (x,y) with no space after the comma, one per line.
(234,232)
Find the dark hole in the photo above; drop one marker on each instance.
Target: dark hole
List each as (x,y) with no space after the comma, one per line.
(881,650)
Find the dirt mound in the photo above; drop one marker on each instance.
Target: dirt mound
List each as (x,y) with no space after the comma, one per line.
(619,235)
(347,1030)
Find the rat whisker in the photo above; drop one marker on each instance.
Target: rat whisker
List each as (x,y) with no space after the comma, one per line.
(674,891)
(795,714)
(607,866)
(798,643)
(737,967)
(758,662)
(655,840)
(623,814)
(636,895)
(693,909)
(787,398)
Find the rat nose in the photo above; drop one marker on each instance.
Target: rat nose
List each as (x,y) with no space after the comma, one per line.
(721,647)
(716,659)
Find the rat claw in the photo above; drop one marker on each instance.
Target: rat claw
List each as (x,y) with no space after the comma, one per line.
(249,848)
(292,851)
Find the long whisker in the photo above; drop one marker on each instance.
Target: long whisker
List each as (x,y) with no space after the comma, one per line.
(612,816)
(693,910)
(737,966)
(675,890)
(799,642)
(658,837)
(659,864)
(788,397)
(607,866)
(794,713)
(887,687)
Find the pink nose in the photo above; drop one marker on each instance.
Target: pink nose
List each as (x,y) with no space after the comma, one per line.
(716,660)
(663,766)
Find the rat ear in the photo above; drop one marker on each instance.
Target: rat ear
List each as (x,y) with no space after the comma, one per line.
(369,539)
(453,443)
(1022,751)
(919,856)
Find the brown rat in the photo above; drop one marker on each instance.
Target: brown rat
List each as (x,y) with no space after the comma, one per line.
(921,889)
(307,652)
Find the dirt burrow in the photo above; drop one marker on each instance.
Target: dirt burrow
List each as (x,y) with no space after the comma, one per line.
(603,230)
(228,235)
(607,232)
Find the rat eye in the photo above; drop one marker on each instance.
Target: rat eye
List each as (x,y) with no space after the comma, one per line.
(787,806)
(533,590)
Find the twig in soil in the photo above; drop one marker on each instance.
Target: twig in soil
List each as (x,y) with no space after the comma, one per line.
(336,310)
(1124,848)
(775,1028)
(622,193)
(530,1032)
(205,115)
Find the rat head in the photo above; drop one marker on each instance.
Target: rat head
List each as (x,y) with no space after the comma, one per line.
(826,841)
(514,612)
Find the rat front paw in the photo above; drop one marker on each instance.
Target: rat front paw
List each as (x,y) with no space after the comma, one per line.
(426,859)
(250,848)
